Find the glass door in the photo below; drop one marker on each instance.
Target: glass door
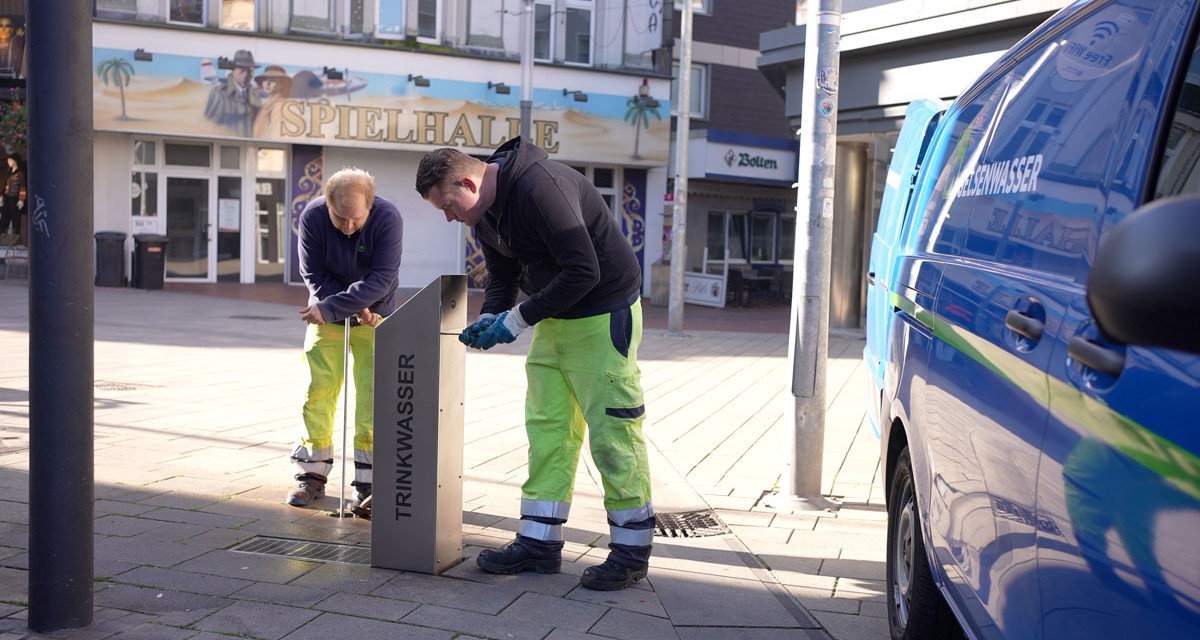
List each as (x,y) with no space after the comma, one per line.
(270,243)
(229,229)
(188,228)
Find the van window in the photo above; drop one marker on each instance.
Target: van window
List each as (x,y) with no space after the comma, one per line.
(1030,194)
(1181,154)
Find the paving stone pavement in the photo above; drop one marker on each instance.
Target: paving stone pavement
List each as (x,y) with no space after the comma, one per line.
(196,407)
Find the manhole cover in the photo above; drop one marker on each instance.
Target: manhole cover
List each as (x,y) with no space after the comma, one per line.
(243,317)
(306,550)
(108,385)
(689,524)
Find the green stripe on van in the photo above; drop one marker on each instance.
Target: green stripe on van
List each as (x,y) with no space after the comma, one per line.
(1175,464)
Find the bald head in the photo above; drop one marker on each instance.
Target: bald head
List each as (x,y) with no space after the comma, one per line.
(349,194)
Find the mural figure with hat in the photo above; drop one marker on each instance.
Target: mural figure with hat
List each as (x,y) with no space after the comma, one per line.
(276,84)
(233,102)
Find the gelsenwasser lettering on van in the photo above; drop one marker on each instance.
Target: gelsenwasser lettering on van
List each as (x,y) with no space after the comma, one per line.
(1018,175)
(405,379)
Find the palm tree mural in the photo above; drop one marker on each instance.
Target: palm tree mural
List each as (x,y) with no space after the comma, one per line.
(638,110)
(119,71)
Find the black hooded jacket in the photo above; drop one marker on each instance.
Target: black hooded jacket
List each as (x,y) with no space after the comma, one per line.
(550,233)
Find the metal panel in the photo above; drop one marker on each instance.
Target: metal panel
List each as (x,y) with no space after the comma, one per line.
(420,368)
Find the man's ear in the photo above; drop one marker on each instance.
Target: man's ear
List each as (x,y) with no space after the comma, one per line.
(469,184)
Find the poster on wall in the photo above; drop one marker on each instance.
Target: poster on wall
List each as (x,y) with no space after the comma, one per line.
(12,46)
(234,94)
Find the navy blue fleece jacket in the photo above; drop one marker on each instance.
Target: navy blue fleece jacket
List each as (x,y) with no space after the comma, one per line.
(346,274)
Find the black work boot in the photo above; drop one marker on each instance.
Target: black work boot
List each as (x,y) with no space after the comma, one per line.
(612,576)
(308,488)
(520,556)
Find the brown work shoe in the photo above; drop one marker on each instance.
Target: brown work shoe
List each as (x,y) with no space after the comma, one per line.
(305,492)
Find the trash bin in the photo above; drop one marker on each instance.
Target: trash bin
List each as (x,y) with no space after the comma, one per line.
(110,259)
(149,260)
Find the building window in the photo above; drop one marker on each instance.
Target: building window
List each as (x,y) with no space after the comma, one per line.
(328,16)
(543,31)
(188,12)
(182,154)
(428,20)
(485,24)
(605,180)
(698,90)
(389,19)
(116,8)
(579,33)
(238,15)
(312,15)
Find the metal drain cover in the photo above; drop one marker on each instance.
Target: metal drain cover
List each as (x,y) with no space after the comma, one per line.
(254,317)
(689,524)
(306,550)
(109,385)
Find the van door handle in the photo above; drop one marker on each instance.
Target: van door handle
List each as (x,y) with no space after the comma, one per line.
(871,277)
(1095,356)
(1025,325)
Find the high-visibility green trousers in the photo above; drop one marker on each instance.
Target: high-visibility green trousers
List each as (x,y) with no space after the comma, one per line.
(583,375)
(323,347)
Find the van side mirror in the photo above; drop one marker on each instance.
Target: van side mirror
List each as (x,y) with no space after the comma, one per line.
(1142,288)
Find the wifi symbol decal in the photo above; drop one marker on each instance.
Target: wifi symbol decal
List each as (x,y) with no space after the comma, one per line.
(1104,29)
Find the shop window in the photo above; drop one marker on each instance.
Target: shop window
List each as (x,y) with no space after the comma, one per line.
(603,178)
(725,241)
(231,158)
(144,152)
(787,238)
(715,242)
(698,91)
(238,15)
(187,155)
(579,33)
(762,237)
(270,160)
(144,192)
(188,12)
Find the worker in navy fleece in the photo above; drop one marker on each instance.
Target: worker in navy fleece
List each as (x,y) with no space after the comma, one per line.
(350,245)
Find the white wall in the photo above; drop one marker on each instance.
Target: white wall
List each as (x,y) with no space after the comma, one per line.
(112,167)
(432,246)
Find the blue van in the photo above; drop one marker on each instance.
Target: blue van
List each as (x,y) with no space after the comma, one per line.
(1034,342)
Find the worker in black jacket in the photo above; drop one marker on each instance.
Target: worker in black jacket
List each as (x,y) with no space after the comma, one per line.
(545,230)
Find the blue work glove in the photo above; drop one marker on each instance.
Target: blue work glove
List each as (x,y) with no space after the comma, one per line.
(472,333)
(506,328)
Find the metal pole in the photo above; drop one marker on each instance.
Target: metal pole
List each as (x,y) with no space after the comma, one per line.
(61,314)
(682,132)
(345,411)
(527,69)
(809,335)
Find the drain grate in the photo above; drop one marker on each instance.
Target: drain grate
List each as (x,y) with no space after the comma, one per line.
(254,317)
(306,550)
(689,524)
(109,385)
